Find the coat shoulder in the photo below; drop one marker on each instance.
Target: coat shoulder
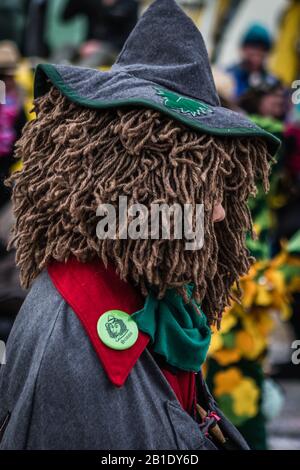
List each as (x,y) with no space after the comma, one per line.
(25,350)
(34,323)
(49,358)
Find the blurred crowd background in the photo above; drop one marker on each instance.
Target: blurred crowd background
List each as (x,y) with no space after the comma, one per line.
(254,47)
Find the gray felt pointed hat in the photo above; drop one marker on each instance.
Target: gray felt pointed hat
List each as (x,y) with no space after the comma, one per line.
(164,66)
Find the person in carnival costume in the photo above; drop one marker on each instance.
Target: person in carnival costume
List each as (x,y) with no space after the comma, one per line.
(106,352)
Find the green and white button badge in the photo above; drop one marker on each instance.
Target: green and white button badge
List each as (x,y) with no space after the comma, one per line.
(117,330)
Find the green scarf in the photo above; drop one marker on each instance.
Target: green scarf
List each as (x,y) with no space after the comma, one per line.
(178,331)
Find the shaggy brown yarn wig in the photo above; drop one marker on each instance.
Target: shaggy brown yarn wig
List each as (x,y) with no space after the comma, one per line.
(75,158)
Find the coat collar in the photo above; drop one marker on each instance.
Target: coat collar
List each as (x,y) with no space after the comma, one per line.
(91,290)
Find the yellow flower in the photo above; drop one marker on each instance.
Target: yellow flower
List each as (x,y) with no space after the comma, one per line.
(293,261)
(280,260)
(245,398)
(256,229)
(281,304)
(24,78)
(244,342)
(249,341)
(216,343)
(228,322)
(294,285)
(227,356)
(276,280)
(251,273)
(263,296)
(238,310)
(226,381)
(285,311)
(16,166)
(249,291)
(265,323)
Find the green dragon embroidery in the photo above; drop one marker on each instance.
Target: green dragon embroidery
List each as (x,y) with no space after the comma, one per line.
(182,104)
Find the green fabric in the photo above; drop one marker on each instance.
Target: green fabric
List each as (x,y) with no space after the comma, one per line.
(178,331)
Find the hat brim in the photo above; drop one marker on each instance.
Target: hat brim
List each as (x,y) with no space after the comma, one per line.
(103,90)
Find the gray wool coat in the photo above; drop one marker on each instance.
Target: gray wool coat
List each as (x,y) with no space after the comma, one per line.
(54,393)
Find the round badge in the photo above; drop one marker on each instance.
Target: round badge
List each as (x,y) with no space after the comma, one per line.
(117,330)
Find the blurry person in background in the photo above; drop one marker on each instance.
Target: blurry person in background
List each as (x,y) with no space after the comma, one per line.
(12,115)
(292,146)
(109,24)
(225,85)
(251,71)
(12,120)
(35,31)
(266,100)
(267,106)
(289,213)
(288,216)
(11,20)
